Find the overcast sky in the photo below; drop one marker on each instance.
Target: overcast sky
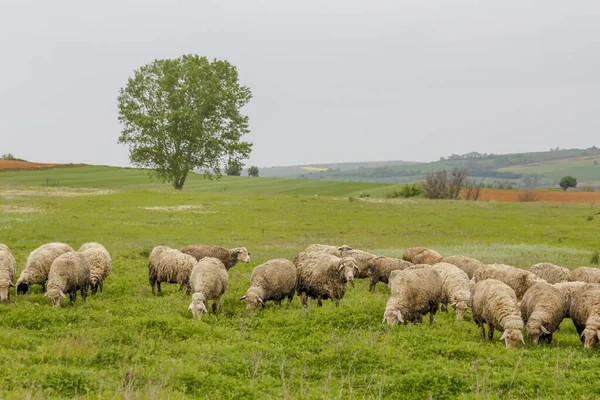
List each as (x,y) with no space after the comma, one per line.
(332,80)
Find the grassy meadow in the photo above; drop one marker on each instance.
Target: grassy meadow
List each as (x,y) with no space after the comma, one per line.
(126,343)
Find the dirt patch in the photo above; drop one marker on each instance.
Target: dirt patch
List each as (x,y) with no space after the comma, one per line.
(183,208)
(539,195)
(54,192)
(12,165)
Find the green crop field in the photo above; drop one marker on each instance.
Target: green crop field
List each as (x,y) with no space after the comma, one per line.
(126,343)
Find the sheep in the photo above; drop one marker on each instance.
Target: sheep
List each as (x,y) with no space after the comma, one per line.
(38,265)
(273,280)
(585,314)
(427,257)
(362,259)
(550,272)
(467,264)
(518,279)
(171,266)
(456,288)
(339,251)
(229,257)
(379,269)
(208,280)
(543,308)
(69,273)
(585,274)
(8,271)
(411,252)
(323,276)
(495,303)
(568,289)
(100,263)
(416,291)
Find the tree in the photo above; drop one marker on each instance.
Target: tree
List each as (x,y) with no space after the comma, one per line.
(443,184)
(567,182)
(234,168)
(184,114)
(253,171)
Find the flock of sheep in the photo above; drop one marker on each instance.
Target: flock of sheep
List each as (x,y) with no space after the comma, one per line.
(419,283)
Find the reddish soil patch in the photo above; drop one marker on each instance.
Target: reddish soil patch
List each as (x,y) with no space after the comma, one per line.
(11,165)
(520,195)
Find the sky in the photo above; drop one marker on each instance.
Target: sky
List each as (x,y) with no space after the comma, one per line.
(332,80)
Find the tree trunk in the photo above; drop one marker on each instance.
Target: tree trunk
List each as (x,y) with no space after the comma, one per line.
(178,183)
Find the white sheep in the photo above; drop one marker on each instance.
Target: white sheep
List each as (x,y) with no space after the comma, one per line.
(171,266)
(38,265)
(274,280)
(8,271)
(456,288)
(100,263)
(208,280)
(467,264)
(495,303)
(585,274)
(585,314)
(518,279)
(543,308)
(69,273)
(550,272)
(339,251)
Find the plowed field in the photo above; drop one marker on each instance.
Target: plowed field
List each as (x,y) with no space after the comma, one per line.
(12,165)
(539,195)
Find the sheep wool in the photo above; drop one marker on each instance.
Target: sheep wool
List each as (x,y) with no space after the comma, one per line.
(467,264)
(518,279)
(38,265)
(339,251)
(379,269)
(229,257)
(456,287)
(543,308)
(208,280)
(585,274)
(69,273)
(410,253)
(8,271)
(494,303)
(428,257)
(274,280)
(585,314)
(550,273)
(171,266)
(362,259)
(100,263)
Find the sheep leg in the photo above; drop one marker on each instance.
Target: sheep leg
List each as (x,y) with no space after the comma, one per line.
(337,302)
(482,327)
(290,297)
(43,287)
(373,284)
(73,296)
(216,306)
(158,286)
(319,302)
(304,300)
(101,284)
(84,293)
(431,315)
(444,307)
(152,284)
(490,331)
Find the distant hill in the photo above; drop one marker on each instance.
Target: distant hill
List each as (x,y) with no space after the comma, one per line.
(538,169)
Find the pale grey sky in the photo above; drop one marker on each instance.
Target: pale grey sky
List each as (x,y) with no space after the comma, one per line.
(333,80)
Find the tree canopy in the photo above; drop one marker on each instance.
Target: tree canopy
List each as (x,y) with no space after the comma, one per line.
(567,182)
(253,171)
(184,114)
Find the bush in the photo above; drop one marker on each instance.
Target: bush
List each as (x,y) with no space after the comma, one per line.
(443,184)
(406,191)
(527,196)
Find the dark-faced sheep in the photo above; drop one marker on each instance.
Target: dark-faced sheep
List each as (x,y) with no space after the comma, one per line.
(494,303)
(69,273)
(379,269)
(229,257)
(323,276)
(38,265)
(543,308)
(170,266)
(416,291)
(208,280)
(274,280)
(8,270)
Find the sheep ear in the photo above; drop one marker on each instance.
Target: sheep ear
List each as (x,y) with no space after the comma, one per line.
(503,335)
(356,266)
(454,304)
(62,294)
(544,330)
(581,334)
(243,298)
(341,266)
(521,337)
(46,294)
(191,305)
(399,316)
(261,302)
(11,284)
(203,307)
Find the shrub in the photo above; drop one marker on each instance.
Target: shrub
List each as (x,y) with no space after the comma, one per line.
(363,195)
(527,195)
(595,259)
(406,191)
(443,184)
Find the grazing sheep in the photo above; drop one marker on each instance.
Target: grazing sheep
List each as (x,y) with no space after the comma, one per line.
(69,273)
(568,289)
(550,272)
(171,266)
(585,274)
(467,264)
(229,257)
(100,263)
(323,276)
(362,259)
(456,288)
(209,280)
(273,280)
(379,269)
(543,308)
(339,251)
(8,271)
(38,265)
(410,253)
(428,257)
(495,303)
(416,291)
(585,314)
(518,279)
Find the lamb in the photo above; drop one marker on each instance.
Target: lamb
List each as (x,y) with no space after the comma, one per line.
(428,257)
(100,263)
(495,303)
(467,264)
(229,257)
(543,308)
(550,272)
(411,252)
(585,274)
(416,291)
(339,251)
(171,266)
(38,265)
(585,314)
(8,271)
(379,269)
(323,276)
(209,280)
(518,279)
(456,288)
(69,273)
(273,280)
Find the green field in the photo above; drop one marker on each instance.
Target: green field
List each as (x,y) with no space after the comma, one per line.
(127,343)
(585,170)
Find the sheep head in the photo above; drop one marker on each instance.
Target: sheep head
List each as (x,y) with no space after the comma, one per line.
(197,305)
(347,267)
(54,294)
(590,336)
(511,337)
(343,250)
(393,317)
(253,298)
(534,330)
(22,287)
(460,307)
(95,284)
(242,254)
(4,293)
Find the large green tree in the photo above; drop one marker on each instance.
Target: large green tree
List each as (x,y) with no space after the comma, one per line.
(183,114)
(567,182)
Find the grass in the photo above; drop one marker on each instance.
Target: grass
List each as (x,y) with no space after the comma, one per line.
(127,343)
